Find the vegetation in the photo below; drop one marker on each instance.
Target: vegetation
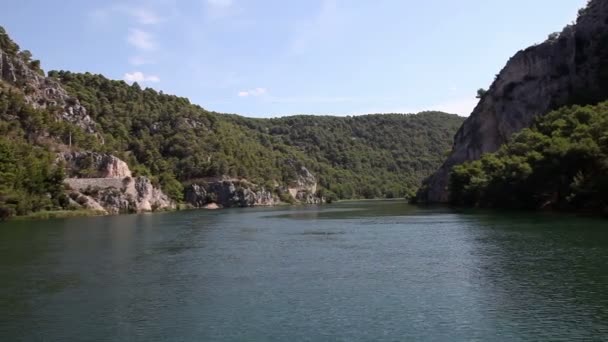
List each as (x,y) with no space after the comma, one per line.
(354,157)
(30,180)
(561,163)
(174,143)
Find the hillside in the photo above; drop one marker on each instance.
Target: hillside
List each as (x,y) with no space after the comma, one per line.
(180,146)
(561,163)
(569,68)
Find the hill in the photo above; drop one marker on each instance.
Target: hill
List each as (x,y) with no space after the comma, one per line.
(179,145)
(569,68)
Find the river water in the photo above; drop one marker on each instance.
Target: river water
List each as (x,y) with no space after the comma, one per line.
(359,271)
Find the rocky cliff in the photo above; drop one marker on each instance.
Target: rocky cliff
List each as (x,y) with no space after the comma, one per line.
(304,188)
(43,92)
(108,185)
(94,165)
(569,68)
(227,192)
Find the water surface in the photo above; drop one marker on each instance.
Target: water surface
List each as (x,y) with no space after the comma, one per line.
(360,271)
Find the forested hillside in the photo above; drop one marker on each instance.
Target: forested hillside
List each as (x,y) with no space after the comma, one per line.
(175,143)
(353,157)
(559,163)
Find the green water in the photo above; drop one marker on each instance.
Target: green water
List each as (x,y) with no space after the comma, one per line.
(361,271)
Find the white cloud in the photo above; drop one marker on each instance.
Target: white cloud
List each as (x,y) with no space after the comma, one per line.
(140,77)
(142,16)
(253,92)
(141,40)
(139,60)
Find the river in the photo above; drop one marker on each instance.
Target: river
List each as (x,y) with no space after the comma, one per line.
(353,271)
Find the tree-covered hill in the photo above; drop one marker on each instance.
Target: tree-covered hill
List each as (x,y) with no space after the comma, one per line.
(174,142)
(353,157)
(561,162)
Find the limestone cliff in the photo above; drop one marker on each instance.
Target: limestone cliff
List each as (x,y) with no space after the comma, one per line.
(43,92)
(569,68)
(108,186)
(304,188)
(95,165)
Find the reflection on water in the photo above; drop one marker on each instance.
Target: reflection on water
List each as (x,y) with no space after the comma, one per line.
(351,271)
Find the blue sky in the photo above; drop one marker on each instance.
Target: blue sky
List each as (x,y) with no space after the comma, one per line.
(268,58)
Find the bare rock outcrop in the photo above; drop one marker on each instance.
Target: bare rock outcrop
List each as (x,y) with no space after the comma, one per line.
(104,182)
(43,92)
(304,188)
(569,68)
(226,192)
(95,165)
(117,196)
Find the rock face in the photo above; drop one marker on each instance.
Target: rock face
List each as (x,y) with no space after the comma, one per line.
(117,196)
(304,188)
(43,92)
(229,193)
(96,164)
(569,68)
(111,187)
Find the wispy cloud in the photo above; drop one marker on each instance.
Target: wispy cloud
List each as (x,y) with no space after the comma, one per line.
(253,92)
(140,15)
(141,40)
(140,77)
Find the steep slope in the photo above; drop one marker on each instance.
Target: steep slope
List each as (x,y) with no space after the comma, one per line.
(560,163)
(568,68)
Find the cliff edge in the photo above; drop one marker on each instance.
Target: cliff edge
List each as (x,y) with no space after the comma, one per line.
(570,67)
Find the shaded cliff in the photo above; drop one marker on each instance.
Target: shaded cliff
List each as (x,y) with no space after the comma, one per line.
(226,192)
(569,68)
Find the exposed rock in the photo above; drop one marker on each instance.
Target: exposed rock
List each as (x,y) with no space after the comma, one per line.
(228,193)
(43,92)
(106,184)
(86,202)
(113,195)
(211,206)
(569,68)
(304,188)
(96,165)
(196,195)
